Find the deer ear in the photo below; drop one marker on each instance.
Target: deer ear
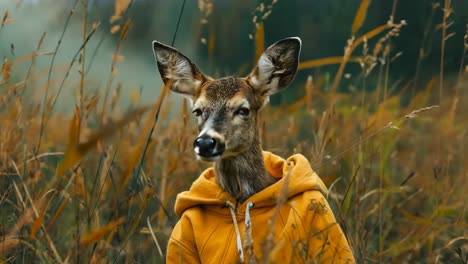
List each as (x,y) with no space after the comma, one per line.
(276,67)
(173,66)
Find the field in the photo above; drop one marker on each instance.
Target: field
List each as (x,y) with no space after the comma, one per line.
(89,169)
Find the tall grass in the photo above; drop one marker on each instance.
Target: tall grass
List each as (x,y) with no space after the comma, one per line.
(92,187)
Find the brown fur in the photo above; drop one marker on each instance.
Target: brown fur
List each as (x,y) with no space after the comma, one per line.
(241,171)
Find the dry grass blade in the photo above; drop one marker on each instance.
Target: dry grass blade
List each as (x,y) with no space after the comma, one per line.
(178,23)
(120,7)
(333,185)
(71,155)
(349,187)
(99,233)
(33,62)
(5,17)
(125,29)
(7,244)
(352,45)
(445,25)
(35,211)
(37,223)
(360,16)
(325,61)
(6,70)
(414,218)
(49,76)
(139,151)
(6,20)
(76,151)
(369,35)
(48,154)
(259,40)
(396,189)
(113,69)
(133,224)
(62,84)
(154,237)
(31,55)
(417,111)
(114,29)
(23,220)
(58,212)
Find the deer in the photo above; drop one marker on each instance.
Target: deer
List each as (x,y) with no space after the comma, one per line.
(227,112)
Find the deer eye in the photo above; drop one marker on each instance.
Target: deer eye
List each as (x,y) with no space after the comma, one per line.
(197,112)
(242,111)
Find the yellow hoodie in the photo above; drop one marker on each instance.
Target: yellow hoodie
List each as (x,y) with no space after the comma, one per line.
(212,229)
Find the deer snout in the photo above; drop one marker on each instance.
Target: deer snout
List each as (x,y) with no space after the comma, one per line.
(208,147)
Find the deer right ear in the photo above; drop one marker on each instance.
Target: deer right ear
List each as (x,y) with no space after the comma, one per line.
(276,67)
(174,66)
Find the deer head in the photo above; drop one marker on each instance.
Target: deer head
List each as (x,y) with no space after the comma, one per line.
(227,108)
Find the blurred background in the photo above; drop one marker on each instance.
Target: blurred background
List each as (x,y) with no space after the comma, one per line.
(379,106)
(219,35)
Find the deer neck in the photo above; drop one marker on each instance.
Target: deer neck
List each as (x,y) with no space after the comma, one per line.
(243,175)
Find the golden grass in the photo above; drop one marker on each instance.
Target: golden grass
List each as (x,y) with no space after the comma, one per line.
(98,189)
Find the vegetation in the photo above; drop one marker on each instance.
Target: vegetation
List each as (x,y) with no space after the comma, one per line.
(99,185)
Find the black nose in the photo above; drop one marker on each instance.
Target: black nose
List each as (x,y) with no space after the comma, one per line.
(207,146)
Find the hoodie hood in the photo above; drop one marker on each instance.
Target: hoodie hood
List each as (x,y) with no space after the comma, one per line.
(301,178)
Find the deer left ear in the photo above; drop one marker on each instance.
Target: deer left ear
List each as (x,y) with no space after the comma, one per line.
(277,66)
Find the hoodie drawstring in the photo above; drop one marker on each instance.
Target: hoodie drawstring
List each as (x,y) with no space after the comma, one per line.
(232,209)
(248,227)
(248,231)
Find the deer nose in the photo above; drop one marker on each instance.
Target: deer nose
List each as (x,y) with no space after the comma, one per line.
(207,146)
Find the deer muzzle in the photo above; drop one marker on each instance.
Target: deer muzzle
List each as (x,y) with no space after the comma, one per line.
(208,147)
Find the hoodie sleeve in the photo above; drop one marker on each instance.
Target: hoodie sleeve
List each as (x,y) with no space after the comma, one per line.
(181,247)
(321,238)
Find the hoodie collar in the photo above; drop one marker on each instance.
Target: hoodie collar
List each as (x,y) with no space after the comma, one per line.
(295,171)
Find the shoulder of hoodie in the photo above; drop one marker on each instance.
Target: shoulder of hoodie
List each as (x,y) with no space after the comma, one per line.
(311,204)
